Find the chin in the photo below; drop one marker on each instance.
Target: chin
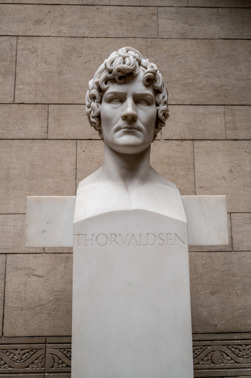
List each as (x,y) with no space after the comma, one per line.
(130,149)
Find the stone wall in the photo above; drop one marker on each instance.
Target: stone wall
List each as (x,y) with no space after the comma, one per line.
(49,50)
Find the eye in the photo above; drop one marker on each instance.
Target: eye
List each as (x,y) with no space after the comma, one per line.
(114,100)
(143,101)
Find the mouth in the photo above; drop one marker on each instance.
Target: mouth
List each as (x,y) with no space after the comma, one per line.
(129,128)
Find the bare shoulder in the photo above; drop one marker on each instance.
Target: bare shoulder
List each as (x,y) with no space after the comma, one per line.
(91,179)
(162,180)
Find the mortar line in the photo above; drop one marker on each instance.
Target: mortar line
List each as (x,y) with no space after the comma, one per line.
(158,22)
(76,166)
(48,110)
(15,76)
(225,123)
(4,293)
(231,233)
(195,188)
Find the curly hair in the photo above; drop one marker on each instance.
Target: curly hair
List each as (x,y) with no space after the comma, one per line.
(125,61)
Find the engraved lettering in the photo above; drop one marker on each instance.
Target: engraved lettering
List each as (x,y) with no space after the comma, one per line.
(140,241)
(132,239)
(150,239)
(123,240)
(113,239)
(88,241)
(177,237)
(161,238)
(78,239)
(102,240)
(169,240)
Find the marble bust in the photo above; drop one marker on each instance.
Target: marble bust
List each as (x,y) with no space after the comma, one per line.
(127,103)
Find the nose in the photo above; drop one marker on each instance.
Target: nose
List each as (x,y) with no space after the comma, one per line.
(129,113)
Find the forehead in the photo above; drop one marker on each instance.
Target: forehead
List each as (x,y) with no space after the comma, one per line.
(131,84)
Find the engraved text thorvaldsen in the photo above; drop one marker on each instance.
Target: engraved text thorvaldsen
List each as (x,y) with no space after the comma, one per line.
(130,239)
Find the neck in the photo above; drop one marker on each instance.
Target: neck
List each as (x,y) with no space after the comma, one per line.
(128,169)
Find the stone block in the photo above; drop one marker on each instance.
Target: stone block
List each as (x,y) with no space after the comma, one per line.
(7,68)
(38,295)
(89,157)
(32,167)
(220,292)
(69,122)
(176,3)
(235,23)
(12,234)
(64,2)
(224,167)
(194,71)
(216,248)
(241,225)
(49,221)
(104,21)
(25,19)
(195,122)
(219,3)
(57,70)
(174,161)
(2,275)
(23,121)
(238,122)
(188,23)
(156,3)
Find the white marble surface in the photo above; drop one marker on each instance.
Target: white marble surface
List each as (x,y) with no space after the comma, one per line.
(206,219)
(131,299)
(50,220)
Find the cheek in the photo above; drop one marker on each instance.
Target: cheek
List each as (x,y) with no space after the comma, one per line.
(151,116)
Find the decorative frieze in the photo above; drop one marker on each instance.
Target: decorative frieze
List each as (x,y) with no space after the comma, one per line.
(212,358)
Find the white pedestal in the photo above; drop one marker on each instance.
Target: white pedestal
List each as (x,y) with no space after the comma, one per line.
(131,297)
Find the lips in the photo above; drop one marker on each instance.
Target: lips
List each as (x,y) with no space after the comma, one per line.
(127,127)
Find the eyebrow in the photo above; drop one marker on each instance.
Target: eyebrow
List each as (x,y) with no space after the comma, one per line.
(124,92)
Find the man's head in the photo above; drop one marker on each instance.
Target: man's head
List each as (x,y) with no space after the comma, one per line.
(127,61)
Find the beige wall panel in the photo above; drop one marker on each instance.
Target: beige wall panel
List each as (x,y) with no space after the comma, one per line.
(24,19)
(219,3)
(142,3)
(235,23)
(89,157)
(70,2)
(57,70)
(188,23)
(23,121)
(224,167)
(2,274)
(241,225)
(12,234)
(38,295)
(7,68)
(41,20)
(174,161)
(238,122)
(104,21)
(70,122)
(195,71)
(35,168)
(176,3)
(220,292)
(195,122)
